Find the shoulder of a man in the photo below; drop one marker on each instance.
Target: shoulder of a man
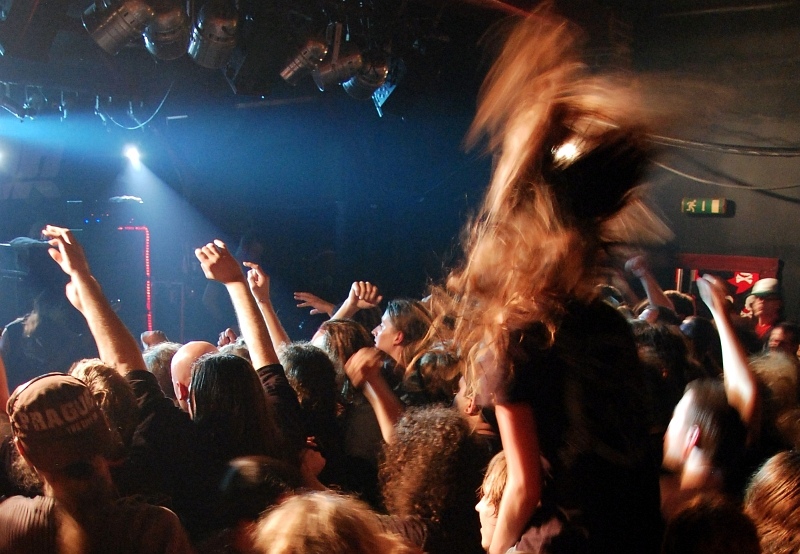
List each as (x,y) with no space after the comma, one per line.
(27,525)
(152,529)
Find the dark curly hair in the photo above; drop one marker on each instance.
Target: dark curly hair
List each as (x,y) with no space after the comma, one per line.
(431,472)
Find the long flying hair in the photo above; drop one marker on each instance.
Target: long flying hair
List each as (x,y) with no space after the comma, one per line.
(569,150)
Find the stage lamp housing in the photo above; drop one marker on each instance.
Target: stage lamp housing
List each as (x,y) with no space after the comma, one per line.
(307,59)
(167,35)
(214,34)
(368,79)
(114,23)
(337,71)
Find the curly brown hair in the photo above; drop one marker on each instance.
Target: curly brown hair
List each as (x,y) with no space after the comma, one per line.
(431,471)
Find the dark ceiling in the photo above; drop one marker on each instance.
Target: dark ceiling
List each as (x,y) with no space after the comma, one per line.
(50,62)
(47,49)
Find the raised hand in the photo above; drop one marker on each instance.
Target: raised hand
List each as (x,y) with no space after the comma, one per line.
(258,281)
(115,344)
(66,250)
(637,266)
(364,295)
(218,263)
(68,254)
(317,304)
(152,338)
(228,336)
(712,290)
(363,366)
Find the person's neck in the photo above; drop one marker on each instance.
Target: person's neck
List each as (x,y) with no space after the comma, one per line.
(700,475)
(83,498)
(396,353)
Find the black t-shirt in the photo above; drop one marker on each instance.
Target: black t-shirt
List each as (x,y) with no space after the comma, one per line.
(167,461)
(172,462)
(588,397)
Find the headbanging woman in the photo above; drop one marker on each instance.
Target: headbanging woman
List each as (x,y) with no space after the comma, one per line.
(559,365)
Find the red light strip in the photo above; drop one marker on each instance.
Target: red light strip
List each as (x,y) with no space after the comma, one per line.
(148,292)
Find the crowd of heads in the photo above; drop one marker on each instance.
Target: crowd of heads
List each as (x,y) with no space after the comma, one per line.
(282,452)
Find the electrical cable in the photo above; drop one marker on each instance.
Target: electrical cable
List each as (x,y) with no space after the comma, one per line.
(146,121)
(767,151)
(721,184)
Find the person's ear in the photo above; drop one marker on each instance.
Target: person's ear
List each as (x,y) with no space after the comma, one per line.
(472,408)
(24,455)
(20,447)
(692,438)
(21,450)
(399,339)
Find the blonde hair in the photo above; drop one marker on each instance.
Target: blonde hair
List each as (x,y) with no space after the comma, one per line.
(325,523)
(115,397)
(494,482)
(569,150)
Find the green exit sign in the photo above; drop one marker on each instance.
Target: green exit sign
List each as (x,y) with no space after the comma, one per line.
(705,206)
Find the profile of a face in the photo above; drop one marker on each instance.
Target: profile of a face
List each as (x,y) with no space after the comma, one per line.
(766,307)
(675,439)
(781,341)
(487,512)
(386,334)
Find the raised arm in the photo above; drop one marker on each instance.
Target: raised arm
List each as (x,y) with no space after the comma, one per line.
(4,394)
(655,294)
(259,286)
(363,370)
(115,344)
(219,265)
(741,387)
(523,490)
(362,296)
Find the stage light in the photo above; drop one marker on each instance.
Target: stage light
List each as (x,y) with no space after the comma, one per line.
(369,78)
(309,57)
(114,23)
(167,36)
(337,70)
(565,153)
(214,34)
(133,155)
(397,71)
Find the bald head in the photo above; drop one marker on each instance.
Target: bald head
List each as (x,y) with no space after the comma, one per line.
(181,367)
